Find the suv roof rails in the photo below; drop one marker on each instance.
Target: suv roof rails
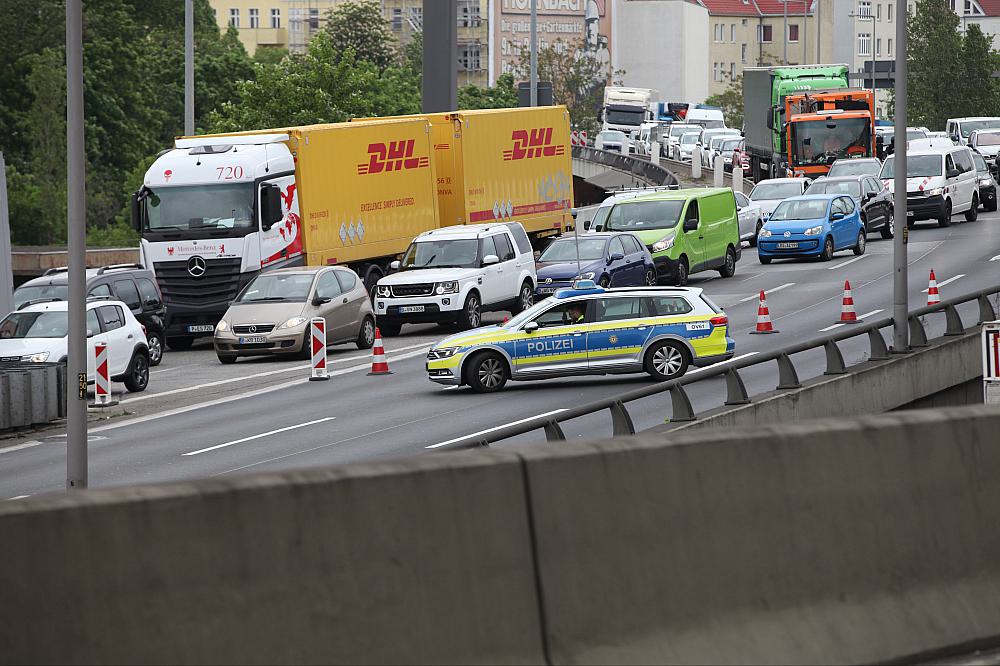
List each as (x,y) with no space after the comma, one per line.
(118,267)
(100,297)
(52,271)
(36,301)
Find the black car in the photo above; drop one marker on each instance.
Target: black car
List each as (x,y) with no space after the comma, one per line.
(130,283)
(987,185)
(875,200)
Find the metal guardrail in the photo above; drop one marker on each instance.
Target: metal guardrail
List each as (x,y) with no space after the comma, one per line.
(736,392)
(636,166)
(32,394)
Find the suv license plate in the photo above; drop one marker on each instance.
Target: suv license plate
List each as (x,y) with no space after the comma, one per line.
(201,328)
(411,308)
(252,341)
(787,246)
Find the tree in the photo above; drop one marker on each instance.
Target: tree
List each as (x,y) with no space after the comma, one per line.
(46,123)
(501,96)
(359,27)
(730,101)
(934,62)
(976,87)
(269,55)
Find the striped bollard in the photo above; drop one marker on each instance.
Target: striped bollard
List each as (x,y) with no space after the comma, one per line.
(317,342)
(102,380)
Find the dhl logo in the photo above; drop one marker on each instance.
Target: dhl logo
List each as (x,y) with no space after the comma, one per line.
(537,143)
(394,156)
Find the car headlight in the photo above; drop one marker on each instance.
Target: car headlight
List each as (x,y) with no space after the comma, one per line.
(293,322)
(446,288)
(765,233)
(40,357)
(589,275)
(664,243)
(934,191)
(442,352)
(384,291)
(814,231)
(984,181)
(222,326)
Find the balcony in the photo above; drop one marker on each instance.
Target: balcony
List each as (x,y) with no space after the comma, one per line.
(270,36)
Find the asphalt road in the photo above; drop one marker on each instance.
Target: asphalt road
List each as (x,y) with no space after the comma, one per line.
(200,419)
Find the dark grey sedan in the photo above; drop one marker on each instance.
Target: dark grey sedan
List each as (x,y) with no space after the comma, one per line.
(870,194)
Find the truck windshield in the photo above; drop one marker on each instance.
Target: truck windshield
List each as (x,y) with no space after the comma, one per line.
(645,215)
(969,126)
(820,142)
(916,165)
(458,253)
(619,117)
(200,210)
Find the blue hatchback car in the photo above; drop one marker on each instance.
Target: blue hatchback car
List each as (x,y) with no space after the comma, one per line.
(611,259)
(813,225)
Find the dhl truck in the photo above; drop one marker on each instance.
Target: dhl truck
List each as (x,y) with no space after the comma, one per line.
(822,127)
(215,210)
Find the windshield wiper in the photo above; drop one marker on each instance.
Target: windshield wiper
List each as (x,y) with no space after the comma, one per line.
(266,298)
(167,226)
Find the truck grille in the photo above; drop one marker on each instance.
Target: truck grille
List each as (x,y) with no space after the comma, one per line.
(244,329)
(405,290)
(220,282)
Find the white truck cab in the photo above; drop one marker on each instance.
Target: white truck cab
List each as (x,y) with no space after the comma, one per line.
(454,274)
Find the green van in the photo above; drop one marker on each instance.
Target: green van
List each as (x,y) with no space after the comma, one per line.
(686,231)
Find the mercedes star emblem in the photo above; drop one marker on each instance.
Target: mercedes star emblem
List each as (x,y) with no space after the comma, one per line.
(197,266)
(253,329)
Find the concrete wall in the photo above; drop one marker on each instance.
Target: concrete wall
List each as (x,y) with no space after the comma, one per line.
(832,541)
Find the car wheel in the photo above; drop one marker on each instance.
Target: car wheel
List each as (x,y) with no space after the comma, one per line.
(859,247)
(973,213)
(991,203)
(764,260)
(864,223)
(305,351)
(945,219)
(155,342)
(827,254)
(682,272)
(372,277)
(666,360)
(487,372)
(389,330)
(756,234)
(728,269)
(889,227)
(604,282)
(650,280)
(137,375)
(366,336)
(525,298)
(226,359)
(471,316)
(180,343)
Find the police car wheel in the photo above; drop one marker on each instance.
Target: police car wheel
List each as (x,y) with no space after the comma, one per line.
(487,372)
(666,360)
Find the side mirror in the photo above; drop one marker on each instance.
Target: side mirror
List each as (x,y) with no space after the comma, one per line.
(836,216)
(615,256)
(152,301)
(136,214)
(491,259)
(953,173)
(869,196)
(395,265)
(270,206)
(321,300)
(691,224)
(530,327)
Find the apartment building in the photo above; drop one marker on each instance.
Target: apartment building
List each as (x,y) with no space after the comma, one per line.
(272,23)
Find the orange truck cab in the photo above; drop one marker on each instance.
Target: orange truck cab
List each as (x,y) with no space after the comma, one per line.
(823,127)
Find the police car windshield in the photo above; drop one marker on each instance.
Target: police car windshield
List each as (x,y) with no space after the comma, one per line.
(440,253)
(527,315)
(916,165)
(800,210)
(645,215)
(591,249)
(34,325)
(276,287)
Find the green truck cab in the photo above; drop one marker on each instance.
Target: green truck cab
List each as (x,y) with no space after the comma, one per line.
(686,231)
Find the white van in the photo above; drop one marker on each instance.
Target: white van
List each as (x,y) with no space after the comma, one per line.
(709,118)
(939,183)
(959,129)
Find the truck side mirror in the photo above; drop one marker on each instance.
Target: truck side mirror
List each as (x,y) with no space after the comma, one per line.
(270,206)
(136,214)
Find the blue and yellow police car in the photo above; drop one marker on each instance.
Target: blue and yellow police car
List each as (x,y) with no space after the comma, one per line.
(587,330)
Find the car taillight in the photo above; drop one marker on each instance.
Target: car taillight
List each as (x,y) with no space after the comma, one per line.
(720,320)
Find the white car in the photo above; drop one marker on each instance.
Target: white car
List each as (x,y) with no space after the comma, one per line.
(673,138)
(708,142)
(986,143)
(454,274)
(612,140)
(769,193)
(686,146)
(38,333)
(751,219)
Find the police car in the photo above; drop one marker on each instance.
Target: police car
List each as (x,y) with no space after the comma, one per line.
(588,330)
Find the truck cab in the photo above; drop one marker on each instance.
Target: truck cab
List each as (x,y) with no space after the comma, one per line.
(823,127)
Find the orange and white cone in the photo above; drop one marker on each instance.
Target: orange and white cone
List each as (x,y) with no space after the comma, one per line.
(763,317)
(933,297)
(379,365)
(847,313)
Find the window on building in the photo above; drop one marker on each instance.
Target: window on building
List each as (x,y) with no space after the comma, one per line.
(397,18)
(732,71)
(743,23)
(793,32)
(275,18)
(865,9)
(313,20)
(888,47)
(417,15)
(878,12)
(864,44)
(469,57)
(909,9)
(234,17)
(468,14)
(743,53)
(888,12)
(254,18)
(765,33)
(718,32)
(878,46)
(732,33)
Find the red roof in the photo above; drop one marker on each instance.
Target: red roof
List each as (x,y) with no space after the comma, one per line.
(764,7)
(777,7)
(989,7)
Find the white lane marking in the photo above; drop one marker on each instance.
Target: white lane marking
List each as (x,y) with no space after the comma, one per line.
(996,258)
(17,497)
(18,447)
(258,375)
(176,367)
(489,430)
(948,281)
(767,292)
(860,317)
(261,435)
(755,275)
(849,261)
(731,360)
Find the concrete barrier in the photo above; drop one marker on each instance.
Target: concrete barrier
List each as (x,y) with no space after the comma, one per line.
(825,542)
(32,394)
(426,561)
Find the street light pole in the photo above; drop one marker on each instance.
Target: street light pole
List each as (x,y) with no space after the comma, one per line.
(76,278)
(900,324)
(534,53)
(784,9)
(188,67)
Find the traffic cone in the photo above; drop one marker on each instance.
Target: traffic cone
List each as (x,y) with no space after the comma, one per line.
(379,365)
(763,317)
(933,297)
(847,313)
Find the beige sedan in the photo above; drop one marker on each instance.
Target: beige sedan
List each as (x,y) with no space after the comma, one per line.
(271,315)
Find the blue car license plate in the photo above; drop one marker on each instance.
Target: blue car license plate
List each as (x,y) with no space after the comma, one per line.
(787,246)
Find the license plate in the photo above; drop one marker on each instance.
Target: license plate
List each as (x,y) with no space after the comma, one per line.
(546,290)
(201,328)
(253,340)
(411,308)
(787,246)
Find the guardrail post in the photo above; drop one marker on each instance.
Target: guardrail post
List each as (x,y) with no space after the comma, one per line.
(954,319)
(918,336)
(834,359)
(695,162)
(554,433)
(718,170)
(621,422)
(986,312)
(737,178)
(681,409)
(787,377)
(876,343)
(736,390)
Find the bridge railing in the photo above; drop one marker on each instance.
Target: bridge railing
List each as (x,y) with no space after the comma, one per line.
(642,169)
(736,392)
